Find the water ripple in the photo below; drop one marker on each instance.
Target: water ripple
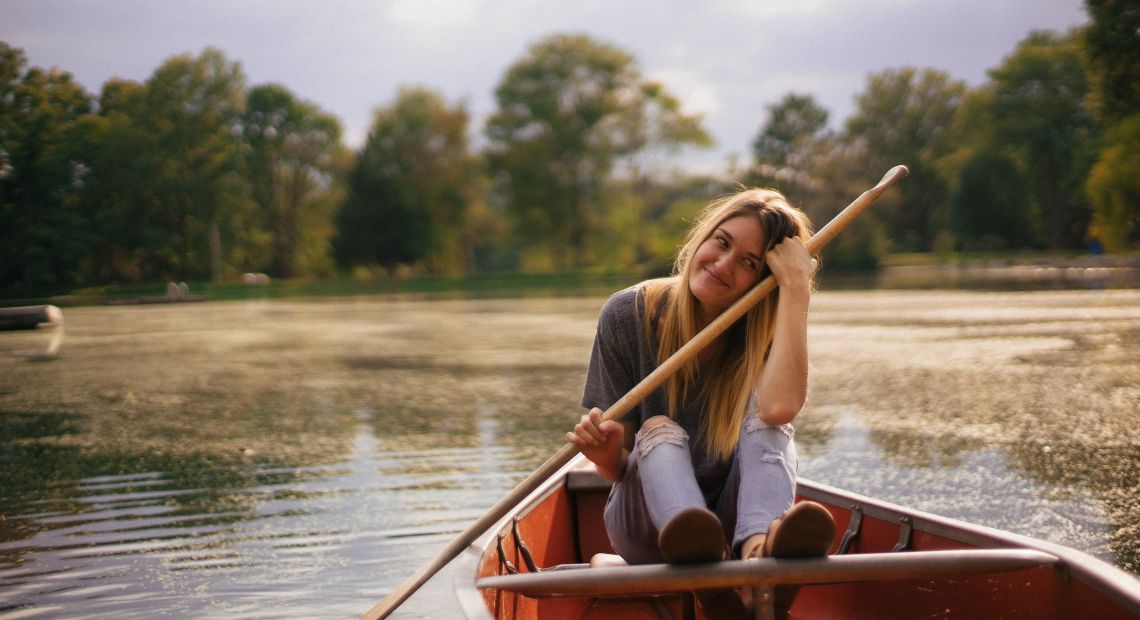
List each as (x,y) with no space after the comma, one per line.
(143,545)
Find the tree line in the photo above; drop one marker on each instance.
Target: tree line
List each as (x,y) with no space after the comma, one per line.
(195,175)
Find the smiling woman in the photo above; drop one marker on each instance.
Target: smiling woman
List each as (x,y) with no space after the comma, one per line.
(712,451)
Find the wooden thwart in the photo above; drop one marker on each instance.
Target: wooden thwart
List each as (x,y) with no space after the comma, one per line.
(665,578)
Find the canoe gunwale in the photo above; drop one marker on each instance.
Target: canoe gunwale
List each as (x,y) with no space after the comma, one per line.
(759,573)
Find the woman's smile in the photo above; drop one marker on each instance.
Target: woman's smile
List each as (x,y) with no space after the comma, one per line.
(726,264)
(715,278)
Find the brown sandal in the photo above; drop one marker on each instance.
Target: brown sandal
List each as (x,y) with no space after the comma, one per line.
(692,536)
(695,535)
(806,530)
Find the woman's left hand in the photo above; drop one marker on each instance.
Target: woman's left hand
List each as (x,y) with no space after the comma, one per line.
(791,264)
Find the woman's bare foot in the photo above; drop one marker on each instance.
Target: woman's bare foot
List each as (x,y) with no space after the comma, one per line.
(603,560)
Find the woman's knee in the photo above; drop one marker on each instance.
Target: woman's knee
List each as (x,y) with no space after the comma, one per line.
(773,444)
(660,430)
(766,433)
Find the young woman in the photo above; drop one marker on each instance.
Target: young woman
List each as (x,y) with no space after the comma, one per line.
(708,458)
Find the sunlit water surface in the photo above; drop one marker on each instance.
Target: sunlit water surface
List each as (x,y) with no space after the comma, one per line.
(300,459)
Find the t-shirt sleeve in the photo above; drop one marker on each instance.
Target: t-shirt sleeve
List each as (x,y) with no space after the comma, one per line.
(613,367)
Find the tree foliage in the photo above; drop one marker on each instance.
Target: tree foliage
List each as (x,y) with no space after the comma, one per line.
(411,186)
(1114,187)
(903,117)
(291,156)
(567,113)
(1112,47)
(782,153)
(1040,118)
(192,174)
(991,209)
(42,232)
(1112,44)
(190,131)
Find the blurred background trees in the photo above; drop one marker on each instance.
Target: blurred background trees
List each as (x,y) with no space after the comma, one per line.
(292,158)
(195,175)
(1112,52)
(568,113)
(42,220)
(410,189)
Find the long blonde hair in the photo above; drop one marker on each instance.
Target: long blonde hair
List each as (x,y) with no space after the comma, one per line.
(737,357)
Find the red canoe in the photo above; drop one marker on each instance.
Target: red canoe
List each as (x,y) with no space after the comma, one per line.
(889,562)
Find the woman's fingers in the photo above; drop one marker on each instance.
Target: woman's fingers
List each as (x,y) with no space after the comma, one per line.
(790,256)
(591,429)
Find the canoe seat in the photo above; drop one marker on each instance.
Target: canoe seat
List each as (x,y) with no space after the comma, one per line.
(586,479)
(767,572)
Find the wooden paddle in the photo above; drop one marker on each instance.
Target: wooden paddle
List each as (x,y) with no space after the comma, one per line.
(627,402)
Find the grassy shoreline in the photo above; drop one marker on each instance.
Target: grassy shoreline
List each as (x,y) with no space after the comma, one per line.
(915,270)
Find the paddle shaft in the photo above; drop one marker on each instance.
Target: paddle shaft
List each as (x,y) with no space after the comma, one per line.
(651,382)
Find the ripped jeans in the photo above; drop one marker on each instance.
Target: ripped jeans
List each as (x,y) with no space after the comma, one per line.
(659,482)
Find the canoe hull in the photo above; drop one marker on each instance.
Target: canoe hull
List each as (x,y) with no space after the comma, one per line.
(560,524)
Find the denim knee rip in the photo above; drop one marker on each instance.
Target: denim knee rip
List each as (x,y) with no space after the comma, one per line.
(754,425)
(652,435)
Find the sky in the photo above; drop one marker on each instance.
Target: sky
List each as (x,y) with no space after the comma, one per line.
(727,60)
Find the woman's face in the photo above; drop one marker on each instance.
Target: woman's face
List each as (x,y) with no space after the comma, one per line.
(726,265)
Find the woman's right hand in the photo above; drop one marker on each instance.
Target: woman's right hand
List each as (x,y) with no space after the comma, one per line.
(602,441)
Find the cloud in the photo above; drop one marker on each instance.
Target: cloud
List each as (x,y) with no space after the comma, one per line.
(726,59)
(432,15)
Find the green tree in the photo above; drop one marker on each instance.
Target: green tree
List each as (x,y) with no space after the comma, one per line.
(409,191)
(837,173)
(1113,186)
(781,152)
(1113,52)
(43,234)
(990,209)
(903,118)
(1040,119)
(290,164)
(188,139)
(651,135)
(116,190)
(568,112)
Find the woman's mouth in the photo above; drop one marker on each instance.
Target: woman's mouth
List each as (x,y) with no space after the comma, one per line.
(715,277)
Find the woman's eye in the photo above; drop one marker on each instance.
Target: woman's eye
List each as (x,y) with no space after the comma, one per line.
(750,264)
(722,242)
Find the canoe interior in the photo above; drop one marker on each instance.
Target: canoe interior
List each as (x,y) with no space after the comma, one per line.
(561,524)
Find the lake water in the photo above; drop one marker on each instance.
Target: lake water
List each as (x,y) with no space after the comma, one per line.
(301,458)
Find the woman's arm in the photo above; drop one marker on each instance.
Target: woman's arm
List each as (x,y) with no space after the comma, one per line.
(783,385)
(611,374)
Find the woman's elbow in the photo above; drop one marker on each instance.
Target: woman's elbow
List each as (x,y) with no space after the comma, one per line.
(776,414)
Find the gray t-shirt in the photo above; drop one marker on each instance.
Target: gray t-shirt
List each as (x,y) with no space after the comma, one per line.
(621,358)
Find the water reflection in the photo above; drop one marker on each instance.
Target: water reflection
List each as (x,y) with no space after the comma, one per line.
(302,458)
(36,345)
(307,541)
